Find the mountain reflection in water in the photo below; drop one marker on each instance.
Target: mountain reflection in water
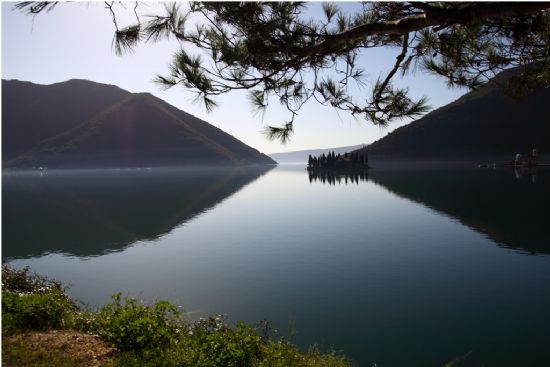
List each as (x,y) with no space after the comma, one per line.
(395,282)
(90,212)
(508,205)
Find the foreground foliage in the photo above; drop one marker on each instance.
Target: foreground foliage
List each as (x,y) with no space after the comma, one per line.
(34,311)
(142,335)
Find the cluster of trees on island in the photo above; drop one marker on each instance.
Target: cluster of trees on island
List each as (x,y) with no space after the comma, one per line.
(356,159)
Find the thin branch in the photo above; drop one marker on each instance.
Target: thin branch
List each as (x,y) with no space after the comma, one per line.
(136,13)
(110,7)
(398,62)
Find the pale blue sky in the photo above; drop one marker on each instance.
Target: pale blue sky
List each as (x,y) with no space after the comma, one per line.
(74,41)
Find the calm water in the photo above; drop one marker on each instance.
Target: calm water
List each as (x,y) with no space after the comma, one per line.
(399,267)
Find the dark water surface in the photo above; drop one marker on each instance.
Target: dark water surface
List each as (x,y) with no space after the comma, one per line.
(397,267)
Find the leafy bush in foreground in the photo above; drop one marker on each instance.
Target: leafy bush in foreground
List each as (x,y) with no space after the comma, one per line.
(23,281)
(144,335)
(40,311)
(223,346)
(212,343)
(130,326)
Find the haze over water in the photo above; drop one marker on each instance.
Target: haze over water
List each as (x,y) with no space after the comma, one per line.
(398,267)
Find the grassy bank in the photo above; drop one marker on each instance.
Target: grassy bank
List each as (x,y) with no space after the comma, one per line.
(137,334)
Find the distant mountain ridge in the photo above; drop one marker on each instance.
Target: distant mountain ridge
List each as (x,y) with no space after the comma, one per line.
(79,123)
(483,124)
(301,156)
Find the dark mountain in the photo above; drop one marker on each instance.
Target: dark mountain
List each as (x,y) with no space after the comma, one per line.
(32,113)
(301,156)
(486,123)
(89,212)
(79,123)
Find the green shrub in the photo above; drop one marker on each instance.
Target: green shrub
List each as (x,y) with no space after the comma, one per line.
(224,346)
(130,326)
(41,311)
(23,281)
(82,320)
(282,354)
(154,336)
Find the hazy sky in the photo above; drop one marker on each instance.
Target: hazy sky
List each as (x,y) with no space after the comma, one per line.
(74,41)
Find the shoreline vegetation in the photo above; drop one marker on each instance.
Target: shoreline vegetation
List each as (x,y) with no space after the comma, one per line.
(41,326)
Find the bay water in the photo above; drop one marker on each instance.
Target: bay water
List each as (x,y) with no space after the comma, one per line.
(402,266)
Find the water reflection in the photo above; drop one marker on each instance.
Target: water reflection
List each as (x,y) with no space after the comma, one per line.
(87,213)
(512,212)
(385,275)
(529,173)
(332,177)
(508,205)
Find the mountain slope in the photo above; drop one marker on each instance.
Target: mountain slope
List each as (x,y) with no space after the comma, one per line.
(33,112)
(485,123)
(117,129)
(221,137)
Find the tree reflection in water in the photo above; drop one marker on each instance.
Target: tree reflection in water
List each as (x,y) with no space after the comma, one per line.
(333,177)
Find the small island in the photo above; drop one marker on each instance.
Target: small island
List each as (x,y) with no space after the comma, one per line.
(355,160)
